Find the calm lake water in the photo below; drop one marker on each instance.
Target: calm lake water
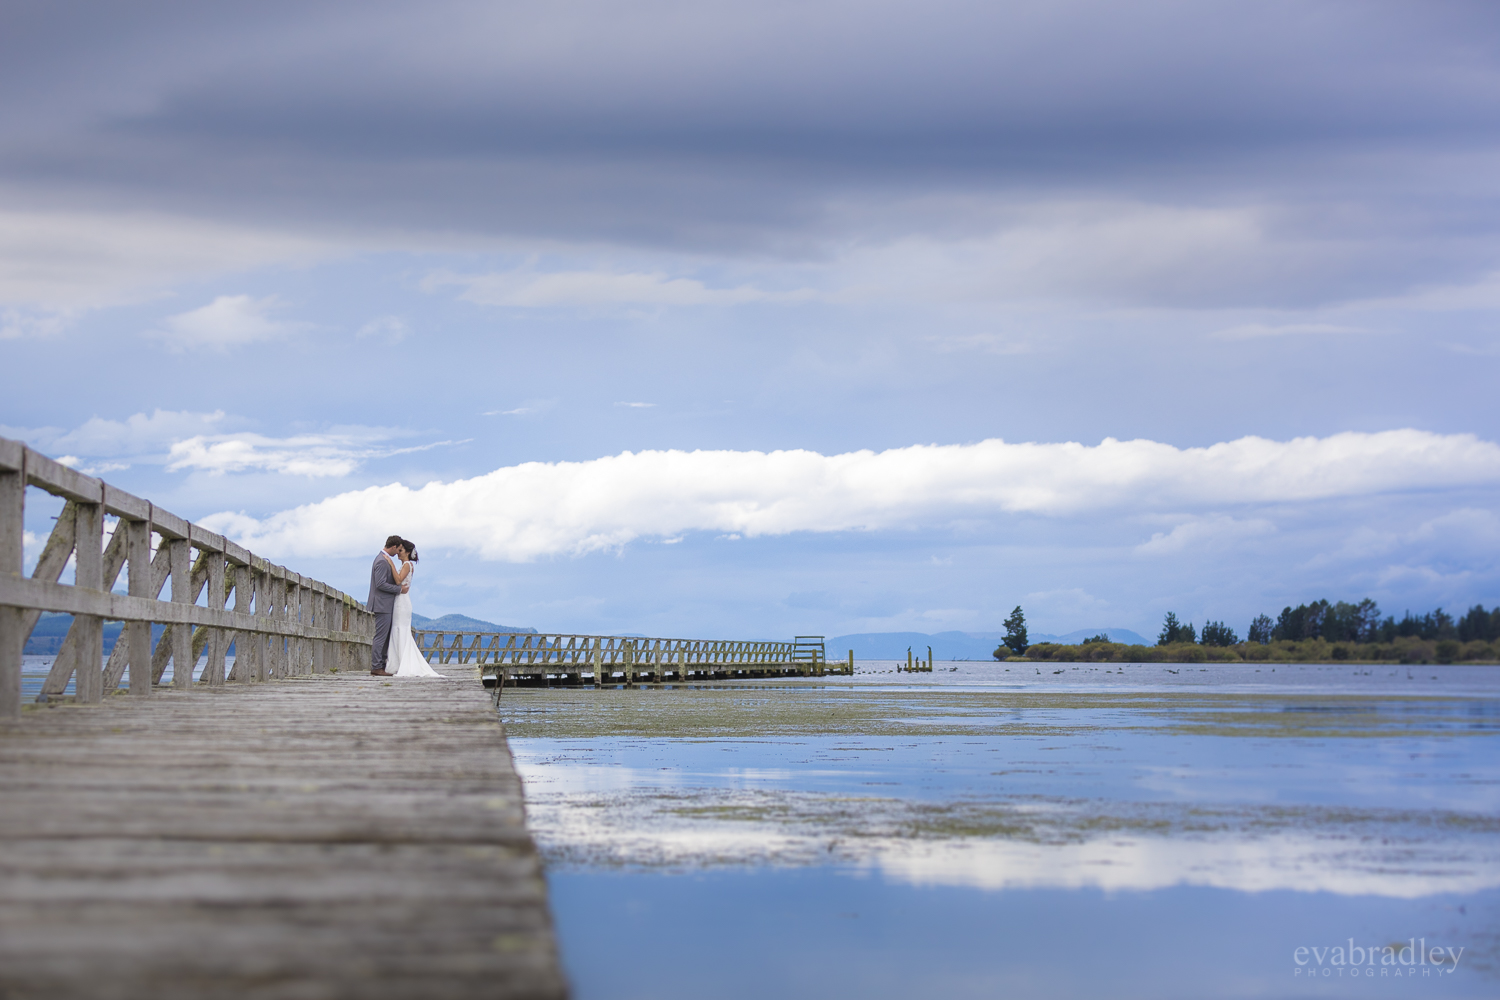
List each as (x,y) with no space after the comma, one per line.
(34,670)
(1025,829)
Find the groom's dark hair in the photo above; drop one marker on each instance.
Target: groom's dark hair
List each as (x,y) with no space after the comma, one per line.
(393,540)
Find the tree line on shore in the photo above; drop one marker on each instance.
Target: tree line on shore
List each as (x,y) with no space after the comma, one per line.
(1316,632)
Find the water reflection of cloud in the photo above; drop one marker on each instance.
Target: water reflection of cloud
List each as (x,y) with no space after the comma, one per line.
(578,779)
(1033,845)
(1289,862)
(1342,795)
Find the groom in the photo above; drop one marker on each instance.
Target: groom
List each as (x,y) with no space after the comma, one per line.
(383,591)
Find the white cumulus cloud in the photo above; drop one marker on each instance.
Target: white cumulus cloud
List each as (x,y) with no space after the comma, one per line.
(317,455)
(228,321)
(537,509)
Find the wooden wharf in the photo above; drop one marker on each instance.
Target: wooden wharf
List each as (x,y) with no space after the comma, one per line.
(528,659)
(291,828)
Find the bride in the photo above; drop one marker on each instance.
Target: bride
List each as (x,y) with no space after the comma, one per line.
(405,659)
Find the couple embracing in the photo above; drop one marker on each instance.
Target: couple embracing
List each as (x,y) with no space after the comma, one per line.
(395,653)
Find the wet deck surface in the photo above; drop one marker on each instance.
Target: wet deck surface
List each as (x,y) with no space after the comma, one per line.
(324,836)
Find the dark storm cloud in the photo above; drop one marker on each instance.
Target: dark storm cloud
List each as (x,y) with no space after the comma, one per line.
(745,126)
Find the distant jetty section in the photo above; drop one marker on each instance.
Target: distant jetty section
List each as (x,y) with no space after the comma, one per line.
(545,659)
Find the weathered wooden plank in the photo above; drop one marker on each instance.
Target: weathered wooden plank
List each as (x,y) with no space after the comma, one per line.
(264,841)
(204,540)
(125,505)
(59,480)
(236,554)
(168,525)
(24,593)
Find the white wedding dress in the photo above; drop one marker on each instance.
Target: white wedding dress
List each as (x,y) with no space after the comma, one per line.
(405,659)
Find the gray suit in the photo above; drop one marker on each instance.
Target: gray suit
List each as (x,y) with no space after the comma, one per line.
(383,591)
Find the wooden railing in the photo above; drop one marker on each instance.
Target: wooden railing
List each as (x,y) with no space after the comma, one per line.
(540,658)
(281,623)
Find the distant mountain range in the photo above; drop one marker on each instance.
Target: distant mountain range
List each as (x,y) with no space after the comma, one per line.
(457,623)
(47,637)
(954,645)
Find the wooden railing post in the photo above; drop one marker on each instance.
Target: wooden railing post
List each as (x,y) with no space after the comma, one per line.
(180,554)
(330,619)
(12,563)
(138,634)
(213,671)
(287,608)
(254,643)
(280,594)
(323,652)
(348,655)
(293,616)
(309,609)
(295,606)
(304,619)
(265,605)
(321,620)
(88,548)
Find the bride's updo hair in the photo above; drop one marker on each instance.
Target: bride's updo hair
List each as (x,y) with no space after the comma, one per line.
(411,549)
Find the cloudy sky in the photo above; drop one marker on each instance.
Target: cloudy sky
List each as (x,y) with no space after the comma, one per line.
(753,319)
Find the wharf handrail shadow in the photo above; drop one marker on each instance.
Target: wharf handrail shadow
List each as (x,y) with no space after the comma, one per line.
(281,623)
(508,654)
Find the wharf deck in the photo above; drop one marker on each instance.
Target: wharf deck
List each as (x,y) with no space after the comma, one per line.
(322,836)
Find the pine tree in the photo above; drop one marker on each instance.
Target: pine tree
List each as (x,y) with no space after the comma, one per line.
(1015,631)
(1218,634)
